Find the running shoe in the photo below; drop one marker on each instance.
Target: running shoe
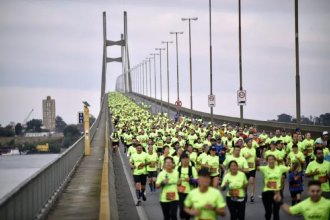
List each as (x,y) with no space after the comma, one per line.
(138,203)
(144,198)
(252,199)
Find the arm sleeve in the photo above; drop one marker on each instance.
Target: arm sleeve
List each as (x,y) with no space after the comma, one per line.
(296,209)
(220,203)
(187,201)
(159,178)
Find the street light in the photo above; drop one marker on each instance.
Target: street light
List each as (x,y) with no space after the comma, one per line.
(240,60)
(190,62)
(210,24)
(155,54)
(160,75)
(142,73)
(177,63)
(168,76)
(149,58)
(146,72)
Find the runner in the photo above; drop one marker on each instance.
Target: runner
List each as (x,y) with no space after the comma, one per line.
(295,182)
(319,169)
(241,161)
(249,153)
(152,161)
(138,164)
(205,202)
(115,141)
(212,163)
(314,207)
(237,183)
(272,186)
(187,176)
(168,180)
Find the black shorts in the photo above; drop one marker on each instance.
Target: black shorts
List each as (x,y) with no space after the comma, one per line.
(140,179)
(160,150)
(115,143)
(152,174)
(258,152)
(251,173)
(294,193)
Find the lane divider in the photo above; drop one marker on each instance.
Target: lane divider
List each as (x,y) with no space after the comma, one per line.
(104,197)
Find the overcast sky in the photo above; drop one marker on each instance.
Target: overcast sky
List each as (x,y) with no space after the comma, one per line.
(54,48)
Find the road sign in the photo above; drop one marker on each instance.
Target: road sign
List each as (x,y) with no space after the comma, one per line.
(80,117)
(241,97)
(211,100)
(178,103)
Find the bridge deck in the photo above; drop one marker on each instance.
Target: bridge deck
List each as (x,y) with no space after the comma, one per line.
(81,198)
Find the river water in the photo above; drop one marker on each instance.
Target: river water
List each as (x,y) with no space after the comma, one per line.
(14,169)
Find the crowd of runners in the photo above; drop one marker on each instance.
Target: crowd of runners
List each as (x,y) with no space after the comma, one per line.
(203,169)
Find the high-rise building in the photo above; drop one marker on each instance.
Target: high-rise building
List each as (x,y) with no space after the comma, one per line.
(48,113)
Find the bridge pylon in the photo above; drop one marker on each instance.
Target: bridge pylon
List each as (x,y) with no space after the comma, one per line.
(126,82)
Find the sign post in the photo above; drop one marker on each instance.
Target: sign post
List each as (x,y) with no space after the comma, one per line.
(241,97)
(211,101)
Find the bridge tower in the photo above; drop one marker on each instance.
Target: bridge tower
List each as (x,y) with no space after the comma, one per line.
(124,58)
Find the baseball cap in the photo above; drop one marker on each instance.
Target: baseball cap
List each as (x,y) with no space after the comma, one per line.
(325,133)
(318,141)
(213,148)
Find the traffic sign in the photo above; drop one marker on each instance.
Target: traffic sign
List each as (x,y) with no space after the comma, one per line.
(241,97)
(211,100)
(80,117)
(178,103)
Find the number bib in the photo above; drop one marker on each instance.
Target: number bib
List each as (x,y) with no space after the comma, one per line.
(323,179)
(170,196)
(251,165)
(234,192)
(272,184)
(181,189)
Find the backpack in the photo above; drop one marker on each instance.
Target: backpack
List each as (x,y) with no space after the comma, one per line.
(193,183)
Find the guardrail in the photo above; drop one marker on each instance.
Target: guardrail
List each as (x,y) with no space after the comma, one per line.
(30,199)
(219,119)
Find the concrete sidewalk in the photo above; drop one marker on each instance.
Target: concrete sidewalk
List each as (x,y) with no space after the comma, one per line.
(81,197)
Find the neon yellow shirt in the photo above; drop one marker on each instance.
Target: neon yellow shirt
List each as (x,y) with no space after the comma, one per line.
(272,177)
(198,200)
(137,159)
(250,155)
(153,159)
(169,192)
(241,161)
(324,169)
(312,210)
(185,186)
(213,161)
(236,184)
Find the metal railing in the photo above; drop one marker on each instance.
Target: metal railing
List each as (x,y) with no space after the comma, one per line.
(219,119)
(28,200)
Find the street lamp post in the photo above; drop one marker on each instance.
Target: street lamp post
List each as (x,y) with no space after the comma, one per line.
(150,73)
(190,61)
(160,77)
(168,76)
(155,54)
(142,73)
(240,59)
(298,113)
(146,72)
(210,24)
(177,64)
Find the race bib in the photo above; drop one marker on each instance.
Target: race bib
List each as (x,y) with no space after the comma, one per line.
(310,150)
(213,170)
(272,184)
(251,165)
(181,189)
(234,192)
(323,179)
(152,165)
(170,196)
